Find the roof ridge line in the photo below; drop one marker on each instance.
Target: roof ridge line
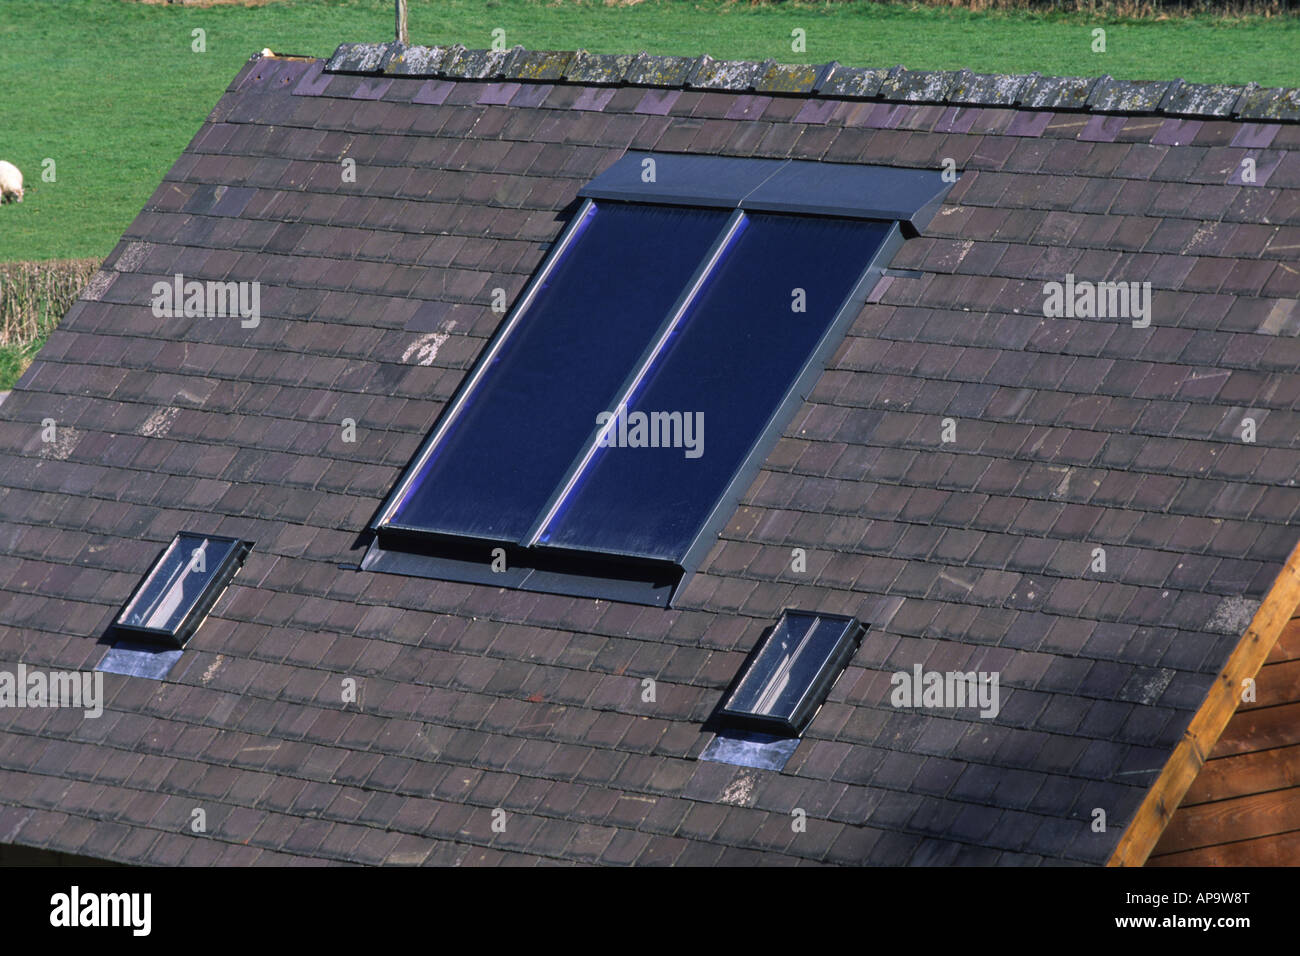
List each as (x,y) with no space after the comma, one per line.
(956,88)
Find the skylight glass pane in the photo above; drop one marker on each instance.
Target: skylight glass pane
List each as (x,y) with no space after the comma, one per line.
(788,678)
(530,414)
(728,369)
(177,582)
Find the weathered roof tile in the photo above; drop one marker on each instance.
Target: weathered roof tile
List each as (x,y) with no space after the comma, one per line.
(539,65)
(785,78)
(987,88)
(1121,96)
(1201,99)
(476,64)
(420,60)
(711,74)
(917,85)
(848,81)
(361,57)
(1269,104)
(601,68)
(1058,92)
(671,71)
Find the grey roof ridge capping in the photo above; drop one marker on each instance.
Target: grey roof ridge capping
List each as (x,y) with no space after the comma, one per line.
(1102,94)
(910,196)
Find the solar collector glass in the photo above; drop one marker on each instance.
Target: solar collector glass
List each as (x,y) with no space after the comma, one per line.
(534,409)
(734,358)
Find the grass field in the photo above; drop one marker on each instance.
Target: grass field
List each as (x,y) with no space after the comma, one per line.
(112,92)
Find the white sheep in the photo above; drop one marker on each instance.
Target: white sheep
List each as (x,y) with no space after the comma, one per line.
(11,183)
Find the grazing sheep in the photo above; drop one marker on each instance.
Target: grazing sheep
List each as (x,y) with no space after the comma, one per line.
(11,183)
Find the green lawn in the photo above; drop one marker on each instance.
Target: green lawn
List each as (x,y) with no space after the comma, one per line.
(14,360)
(112,92)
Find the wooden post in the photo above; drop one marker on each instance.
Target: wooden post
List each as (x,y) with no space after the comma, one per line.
(401,21)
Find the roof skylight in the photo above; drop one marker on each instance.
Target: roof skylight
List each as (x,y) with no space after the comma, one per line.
(181,587)
(789,674)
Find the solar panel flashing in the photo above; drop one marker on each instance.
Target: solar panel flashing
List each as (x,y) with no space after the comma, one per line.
(745,748)
(524,569)
(910,197)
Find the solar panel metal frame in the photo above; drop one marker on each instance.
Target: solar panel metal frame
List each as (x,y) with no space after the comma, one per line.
(426,555)
(910,197)
(212,590)
(682,179)
(814,694)
(414,551)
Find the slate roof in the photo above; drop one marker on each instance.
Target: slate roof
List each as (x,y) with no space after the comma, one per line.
(1072,434)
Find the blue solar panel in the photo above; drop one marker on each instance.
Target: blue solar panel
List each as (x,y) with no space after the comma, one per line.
(519,429)
(718,382)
